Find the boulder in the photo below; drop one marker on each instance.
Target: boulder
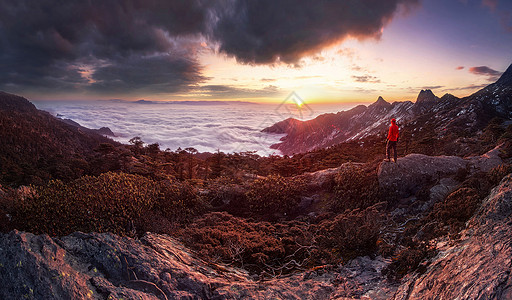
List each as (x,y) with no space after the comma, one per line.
(409,174)
(415,171)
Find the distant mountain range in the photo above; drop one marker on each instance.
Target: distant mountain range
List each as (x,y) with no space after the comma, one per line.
(444,115)
(185,102)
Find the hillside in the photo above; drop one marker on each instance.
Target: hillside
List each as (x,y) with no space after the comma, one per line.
(37,146)
(448,117)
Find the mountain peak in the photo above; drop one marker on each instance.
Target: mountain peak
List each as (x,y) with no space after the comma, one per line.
(426,96)
(506,77)
(380,103)
(381,100)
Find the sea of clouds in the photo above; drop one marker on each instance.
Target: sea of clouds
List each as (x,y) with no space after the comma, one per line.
(207,127)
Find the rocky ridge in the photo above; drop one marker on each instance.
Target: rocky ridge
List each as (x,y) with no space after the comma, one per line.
(444,115)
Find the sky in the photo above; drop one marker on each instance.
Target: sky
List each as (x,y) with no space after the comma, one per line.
(349,51)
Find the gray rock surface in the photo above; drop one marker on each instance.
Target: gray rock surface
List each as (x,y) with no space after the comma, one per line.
(479,266)
(412,172)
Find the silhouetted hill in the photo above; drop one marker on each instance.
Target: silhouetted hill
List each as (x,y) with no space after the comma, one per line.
(37,146)
(442,116)
(9,102)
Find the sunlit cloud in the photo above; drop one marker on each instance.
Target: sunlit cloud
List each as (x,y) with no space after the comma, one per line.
(485,71)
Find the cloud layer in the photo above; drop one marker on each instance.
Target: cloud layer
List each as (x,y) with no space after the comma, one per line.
(232,127)
(136,46)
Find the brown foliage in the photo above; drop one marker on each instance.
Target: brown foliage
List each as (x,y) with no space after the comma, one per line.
(354,232)
(356,187)
(274,194)
(407,260)
(222,237)
(114,202)
(496,174)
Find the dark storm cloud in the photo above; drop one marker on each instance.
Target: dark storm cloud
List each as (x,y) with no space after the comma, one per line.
(485,70)
(268,31)
(158,74)
(129,46)
(124,45)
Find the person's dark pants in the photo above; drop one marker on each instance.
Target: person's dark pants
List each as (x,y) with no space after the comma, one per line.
(391,144)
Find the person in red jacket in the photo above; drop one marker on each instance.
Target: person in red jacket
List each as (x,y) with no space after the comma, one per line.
(392,140)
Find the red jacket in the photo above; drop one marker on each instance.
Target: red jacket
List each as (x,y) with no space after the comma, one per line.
(393,132)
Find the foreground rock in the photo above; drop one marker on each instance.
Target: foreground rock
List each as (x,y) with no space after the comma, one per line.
(105,266)
(480,265)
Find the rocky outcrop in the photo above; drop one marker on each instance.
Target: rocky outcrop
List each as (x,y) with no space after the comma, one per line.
(479,266)
(104,265)
(425,101)
(415,171)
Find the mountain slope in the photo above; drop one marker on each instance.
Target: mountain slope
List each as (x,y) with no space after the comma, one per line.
(442,115)
(37,146)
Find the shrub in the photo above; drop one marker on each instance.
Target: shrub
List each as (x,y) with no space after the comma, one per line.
(226,193)
(407,260)
(459,205)
(223,237)
(356,186)
(109,202)
(274,194)
(260,247)
(496,174)
(354,232)
(179,201)
(115,202)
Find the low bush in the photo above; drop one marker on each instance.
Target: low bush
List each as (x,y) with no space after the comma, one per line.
(356,186)
(114,202)
(224,193)
(496,174)
(276,248)
(407,260)
(274,194)
(233,240)
(354,232)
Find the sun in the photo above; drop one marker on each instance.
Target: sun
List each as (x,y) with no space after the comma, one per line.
(298,102)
